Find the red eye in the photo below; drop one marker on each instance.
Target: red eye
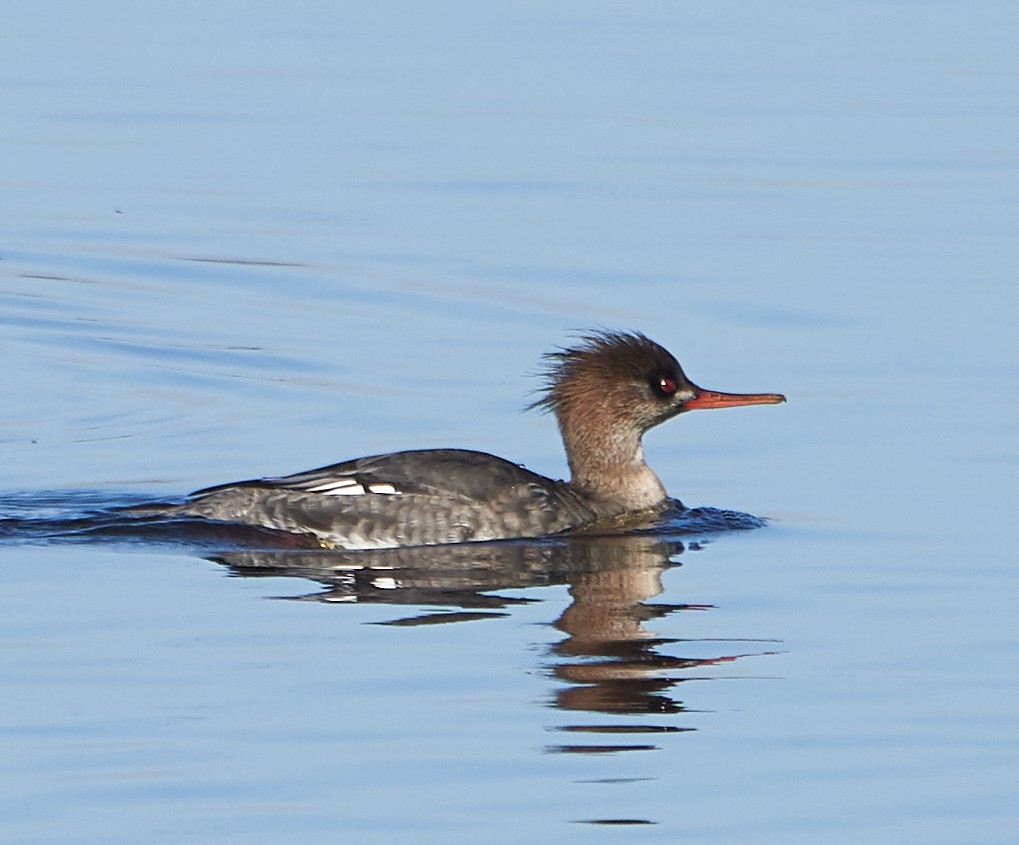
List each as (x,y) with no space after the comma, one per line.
(666,385)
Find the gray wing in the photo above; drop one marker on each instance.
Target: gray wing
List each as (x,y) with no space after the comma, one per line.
(458,474)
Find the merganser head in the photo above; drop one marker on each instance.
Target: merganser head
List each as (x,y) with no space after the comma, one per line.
(628,378)
(606,391)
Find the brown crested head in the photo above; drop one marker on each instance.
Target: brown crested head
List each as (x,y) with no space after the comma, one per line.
(624,375)
(606,391)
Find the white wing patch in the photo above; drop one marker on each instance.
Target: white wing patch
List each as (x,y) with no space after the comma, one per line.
(384,489)
(351,487)
(339,487)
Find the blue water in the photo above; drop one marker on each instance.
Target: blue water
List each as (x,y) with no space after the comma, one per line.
(247,241)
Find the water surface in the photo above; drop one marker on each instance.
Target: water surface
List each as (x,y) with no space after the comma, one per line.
(247,242)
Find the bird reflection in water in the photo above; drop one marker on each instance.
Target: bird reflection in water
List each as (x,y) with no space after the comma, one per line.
(609,662)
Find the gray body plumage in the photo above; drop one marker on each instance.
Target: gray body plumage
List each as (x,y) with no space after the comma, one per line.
(411,498)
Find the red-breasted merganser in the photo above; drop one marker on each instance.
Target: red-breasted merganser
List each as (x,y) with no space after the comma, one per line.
(606,391)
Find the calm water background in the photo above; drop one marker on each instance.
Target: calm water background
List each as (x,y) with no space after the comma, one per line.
(246,239)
